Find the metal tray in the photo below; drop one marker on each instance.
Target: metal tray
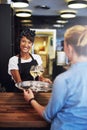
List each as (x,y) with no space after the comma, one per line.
(36,86)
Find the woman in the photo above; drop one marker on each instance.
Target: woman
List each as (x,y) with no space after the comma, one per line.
(67,108)
(19,65)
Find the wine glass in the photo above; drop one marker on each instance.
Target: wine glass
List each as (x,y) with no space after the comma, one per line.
(33,72)
(25,85)
(40,70)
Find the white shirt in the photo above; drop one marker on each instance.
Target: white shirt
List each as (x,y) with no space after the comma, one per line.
(13,62)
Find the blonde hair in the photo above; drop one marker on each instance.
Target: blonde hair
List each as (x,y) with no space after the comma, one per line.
(77,37)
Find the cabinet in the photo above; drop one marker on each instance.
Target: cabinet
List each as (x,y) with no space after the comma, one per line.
(44,59)
(57,70)
(6,40)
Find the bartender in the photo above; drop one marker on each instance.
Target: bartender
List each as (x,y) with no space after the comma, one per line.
(20,64)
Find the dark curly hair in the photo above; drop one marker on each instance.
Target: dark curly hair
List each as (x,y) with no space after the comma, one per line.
(29,34)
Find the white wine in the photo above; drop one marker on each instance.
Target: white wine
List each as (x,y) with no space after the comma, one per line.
(25,87)
(34,73)
(40,72)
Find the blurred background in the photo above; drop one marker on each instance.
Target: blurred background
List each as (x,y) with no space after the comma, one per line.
(50,19)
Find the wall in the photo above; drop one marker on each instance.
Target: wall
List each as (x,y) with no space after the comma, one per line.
(6,41)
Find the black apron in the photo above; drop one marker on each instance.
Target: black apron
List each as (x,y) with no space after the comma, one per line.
(24,69)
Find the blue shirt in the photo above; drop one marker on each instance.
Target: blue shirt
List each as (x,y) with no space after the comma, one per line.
(67,108)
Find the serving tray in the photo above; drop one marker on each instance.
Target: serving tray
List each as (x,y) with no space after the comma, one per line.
(36,86)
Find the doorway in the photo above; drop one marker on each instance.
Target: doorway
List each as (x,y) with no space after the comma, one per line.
(45,46)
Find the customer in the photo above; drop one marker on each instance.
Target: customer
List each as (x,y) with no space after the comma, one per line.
(67,108)
(19,65)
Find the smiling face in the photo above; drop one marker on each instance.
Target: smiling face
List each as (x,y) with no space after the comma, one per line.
(25,45)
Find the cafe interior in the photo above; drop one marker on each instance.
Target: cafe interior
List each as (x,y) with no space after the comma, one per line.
(50,19)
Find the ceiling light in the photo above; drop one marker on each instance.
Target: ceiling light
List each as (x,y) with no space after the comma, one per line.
(62,21)
(23,13)
(77,4)
(30,25)
(68,14)
(26,21)
(58,25)
(20,3)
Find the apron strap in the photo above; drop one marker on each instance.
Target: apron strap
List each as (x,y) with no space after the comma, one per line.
(31,56)
(19,61)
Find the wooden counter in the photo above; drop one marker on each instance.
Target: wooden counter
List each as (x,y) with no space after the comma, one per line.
(16,112)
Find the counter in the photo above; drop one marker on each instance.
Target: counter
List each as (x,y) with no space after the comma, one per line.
(15,112)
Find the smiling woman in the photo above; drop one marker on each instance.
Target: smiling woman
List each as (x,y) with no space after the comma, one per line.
(19,65)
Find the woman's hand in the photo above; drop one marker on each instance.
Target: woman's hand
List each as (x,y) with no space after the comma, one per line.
(41,78)
(28,94)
